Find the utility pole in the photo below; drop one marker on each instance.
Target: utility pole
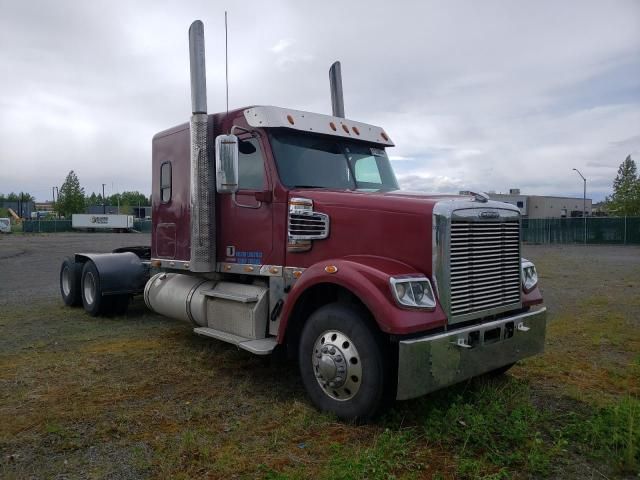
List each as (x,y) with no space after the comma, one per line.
(104,207)
(584,204)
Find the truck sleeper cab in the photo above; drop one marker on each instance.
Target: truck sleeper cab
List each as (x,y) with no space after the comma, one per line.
(281,230)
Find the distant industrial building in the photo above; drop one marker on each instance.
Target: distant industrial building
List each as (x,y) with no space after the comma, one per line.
(543,206)
(44,207)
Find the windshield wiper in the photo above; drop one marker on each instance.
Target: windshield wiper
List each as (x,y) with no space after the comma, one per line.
(306,186)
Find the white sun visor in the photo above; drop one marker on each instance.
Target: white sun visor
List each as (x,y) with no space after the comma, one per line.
(276,117)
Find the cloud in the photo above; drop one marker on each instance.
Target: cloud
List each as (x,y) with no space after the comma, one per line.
(282,45)
(482,95)
(435,184)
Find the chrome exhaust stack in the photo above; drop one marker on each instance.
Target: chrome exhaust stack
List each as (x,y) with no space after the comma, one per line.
(202,175)
(335,82)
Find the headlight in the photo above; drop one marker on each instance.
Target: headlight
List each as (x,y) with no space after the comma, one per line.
(413,292)
(529,275)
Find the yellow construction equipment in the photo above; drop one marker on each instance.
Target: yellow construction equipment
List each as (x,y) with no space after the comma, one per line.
(14,215)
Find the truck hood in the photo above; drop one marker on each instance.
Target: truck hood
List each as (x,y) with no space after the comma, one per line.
(397,225)
(398,201)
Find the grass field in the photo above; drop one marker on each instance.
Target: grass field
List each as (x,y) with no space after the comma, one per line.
(142,397)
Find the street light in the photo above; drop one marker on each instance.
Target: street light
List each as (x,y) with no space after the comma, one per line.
(104,208)
(584,204)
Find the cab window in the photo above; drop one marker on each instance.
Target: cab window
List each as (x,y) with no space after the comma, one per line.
(367,171)
(250,165)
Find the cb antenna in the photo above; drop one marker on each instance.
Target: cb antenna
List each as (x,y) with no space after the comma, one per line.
(226,59)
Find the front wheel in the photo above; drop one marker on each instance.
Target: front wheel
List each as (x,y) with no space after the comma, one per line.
(342,363)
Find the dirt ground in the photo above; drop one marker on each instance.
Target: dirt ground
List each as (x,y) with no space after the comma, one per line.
(140,396)
(30,264)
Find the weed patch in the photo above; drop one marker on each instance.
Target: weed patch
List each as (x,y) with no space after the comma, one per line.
(390,453)
(612,434)
(493,426)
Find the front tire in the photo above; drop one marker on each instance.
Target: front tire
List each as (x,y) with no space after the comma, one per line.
(70,276)
(91,291)
(342,362)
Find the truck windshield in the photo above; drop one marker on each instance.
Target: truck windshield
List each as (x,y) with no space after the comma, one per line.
(320,161)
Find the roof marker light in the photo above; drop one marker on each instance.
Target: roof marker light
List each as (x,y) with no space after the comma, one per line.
(345,128)
(384,135)
(290,119)
(333,126)
(355,129)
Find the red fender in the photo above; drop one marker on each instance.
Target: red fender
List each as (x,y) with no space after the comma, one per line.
(367,277)
(534,297)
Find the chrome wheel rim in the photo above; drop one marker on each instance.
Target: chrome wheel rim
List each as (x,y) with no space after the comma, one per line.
(66,281)
(336,365)
(89,287)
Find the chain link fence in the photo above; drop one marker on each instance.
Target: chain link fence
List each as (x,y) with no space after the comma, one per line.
(590,230)
(54,226)
(46,226)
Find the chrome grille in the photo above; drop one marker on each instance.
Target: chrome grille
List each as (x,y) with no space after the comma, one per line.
(484,265)
(308,226)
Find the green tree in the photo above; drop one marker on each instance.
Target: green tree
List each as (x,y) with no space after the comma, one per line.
(18,197)
(71,196)
(129,198)
(626,190)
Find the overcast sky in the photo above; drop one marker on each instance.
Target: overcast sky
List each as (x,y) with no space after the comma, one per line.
(476,95)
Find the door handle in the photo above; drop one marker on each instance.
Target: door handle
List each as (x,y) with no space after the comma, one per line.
(241,205)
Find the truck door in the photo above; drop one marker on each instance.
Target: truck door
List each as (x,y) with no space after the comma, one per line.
(245,229)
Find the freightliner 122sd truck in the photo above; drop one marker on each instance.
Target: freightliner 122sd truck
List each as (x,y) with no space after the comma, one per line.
(284,231)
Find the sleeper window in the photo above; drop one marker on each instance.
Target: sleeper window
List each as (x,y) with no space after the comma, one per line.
(165,182)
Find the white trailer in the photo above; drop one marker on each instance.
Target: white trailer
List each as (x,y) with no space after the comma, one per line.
(101,222)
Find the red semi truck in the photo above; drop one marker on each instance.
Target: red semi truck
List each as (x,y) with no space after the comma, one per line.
(285,231)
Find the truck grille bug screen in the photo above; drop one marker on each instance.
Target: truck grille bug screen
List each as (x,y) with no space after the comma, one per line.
(484,266)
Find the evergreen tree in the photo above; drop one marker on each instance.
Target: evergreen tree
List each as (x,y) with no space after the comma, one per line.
(71,197)
(626,190)
(92,199)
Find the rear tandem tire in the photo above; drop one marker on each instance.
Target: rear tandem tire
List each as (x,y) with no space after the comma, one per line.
(91,291)
(70,276)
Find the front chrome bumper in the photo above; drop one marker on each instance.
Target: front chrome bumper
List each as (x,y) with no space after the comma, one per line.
(429,363)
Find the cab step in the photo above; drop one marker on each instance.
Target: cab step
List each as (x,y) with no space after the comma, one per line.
(261,346)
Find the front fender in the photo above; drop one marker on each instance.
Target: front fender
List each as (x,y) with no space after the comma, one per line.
(367,277)
(119,272)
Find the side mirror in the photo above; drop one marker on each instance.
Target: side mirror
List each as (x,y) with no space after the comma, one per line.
(227,163)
